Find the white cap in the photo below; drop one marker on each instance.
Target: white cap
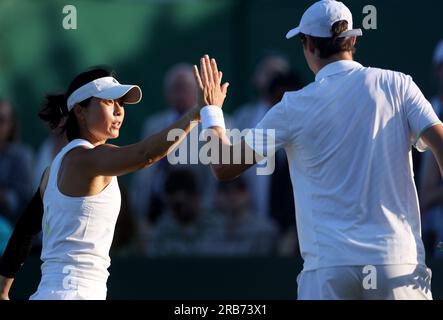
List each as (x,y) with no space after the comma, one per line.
(105,88)
(438,53)
(319,18)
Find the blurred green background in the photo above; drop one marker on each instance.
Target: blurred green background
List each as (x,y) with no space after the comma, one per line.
(141,39)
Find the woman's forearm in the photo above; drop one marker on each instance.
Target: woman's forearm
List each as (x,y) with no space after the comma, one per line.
(5,286)
(161,144)
(109,160)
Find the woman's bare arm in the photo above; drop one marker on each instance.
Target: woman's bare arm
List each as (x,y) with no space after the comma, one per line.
(110,160)
(5,286)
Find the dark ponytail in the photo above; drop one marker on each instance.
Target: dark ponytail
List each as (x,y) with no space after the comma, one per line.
(55,107)
(54,110)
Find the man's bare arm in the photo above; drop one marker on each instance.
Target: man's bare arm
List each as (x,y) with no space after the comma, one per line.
(239,161)
(433,137)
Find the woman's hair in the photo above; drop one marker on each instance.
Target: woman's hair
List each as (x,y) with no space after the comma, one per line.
(55,107)
(330,46)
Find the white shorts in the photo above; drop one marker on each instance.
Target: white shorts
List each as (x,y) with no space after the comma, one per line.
(58,287)
(382,282)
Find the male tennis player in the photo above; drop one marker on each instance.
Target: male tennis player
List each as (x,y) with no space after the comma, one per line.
(348,139)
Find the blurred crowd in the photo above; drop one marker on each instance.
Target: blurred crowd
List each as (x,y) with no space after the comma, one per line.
(182,210)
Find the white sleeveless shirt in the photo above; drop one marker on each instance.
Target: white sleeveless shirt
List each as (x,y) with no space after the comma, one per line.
(77,231)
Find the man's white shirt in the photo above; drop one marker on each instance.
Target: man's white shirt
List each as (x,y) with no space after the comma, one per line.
(348,139)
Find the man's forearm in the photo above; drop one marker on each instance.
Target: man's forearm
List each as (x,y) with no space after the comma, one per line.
(433,137)
(440,165)
(231,160)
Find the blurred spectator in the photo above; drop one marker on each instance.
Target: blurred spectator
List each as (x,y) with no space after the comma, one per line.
(185,229)
(15,166)
(431,184)
(281,205)
(281,198)
(147,191)
(249,115)
(244,233)
(5,234)
(432,206)
(437,101)
(272,196)
(288,245)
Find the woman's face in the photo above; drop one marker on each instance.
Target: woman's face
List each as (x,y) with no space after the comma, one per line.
(102,118)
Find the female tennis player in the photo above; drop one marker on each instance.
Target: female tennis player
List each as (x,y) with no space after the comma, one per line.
(78,201)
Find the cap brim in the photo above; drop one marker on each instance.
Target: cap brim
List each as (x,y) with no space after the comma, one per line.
(292,33)
(351,33)
(131,94)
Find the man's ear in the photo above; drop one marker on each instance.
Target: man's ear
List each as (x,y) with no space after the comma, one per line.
(354,40)
(310,45)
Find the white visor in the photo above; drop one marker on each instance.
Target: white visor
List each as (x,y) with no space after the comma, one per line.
(105,88)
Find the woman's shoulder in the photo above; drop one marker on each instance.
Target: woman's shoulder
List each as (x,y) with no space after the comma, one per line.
(76,146)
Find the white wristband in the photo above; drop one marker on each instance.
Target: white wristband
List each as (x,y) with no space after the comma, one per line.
(212,116)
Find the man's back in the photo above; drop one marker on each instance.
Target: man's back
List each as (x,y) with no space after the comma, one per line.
(348,139)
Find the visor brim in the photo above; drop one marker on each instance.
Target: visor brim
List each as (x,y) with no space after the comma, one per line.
(131,94)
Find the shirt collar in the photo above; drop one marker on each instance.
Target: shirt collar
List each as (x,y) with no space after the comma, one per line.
(337,67)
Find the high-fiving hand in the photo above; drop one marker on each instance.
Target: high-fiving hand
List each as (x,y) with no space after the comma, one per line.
(210,89)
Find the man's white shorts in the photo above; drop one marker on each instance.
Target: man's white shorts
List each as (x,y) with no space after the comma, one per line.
(380,282)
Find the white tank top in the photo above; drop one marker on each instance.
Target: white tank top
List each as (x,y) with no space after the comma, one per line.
(78,231)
